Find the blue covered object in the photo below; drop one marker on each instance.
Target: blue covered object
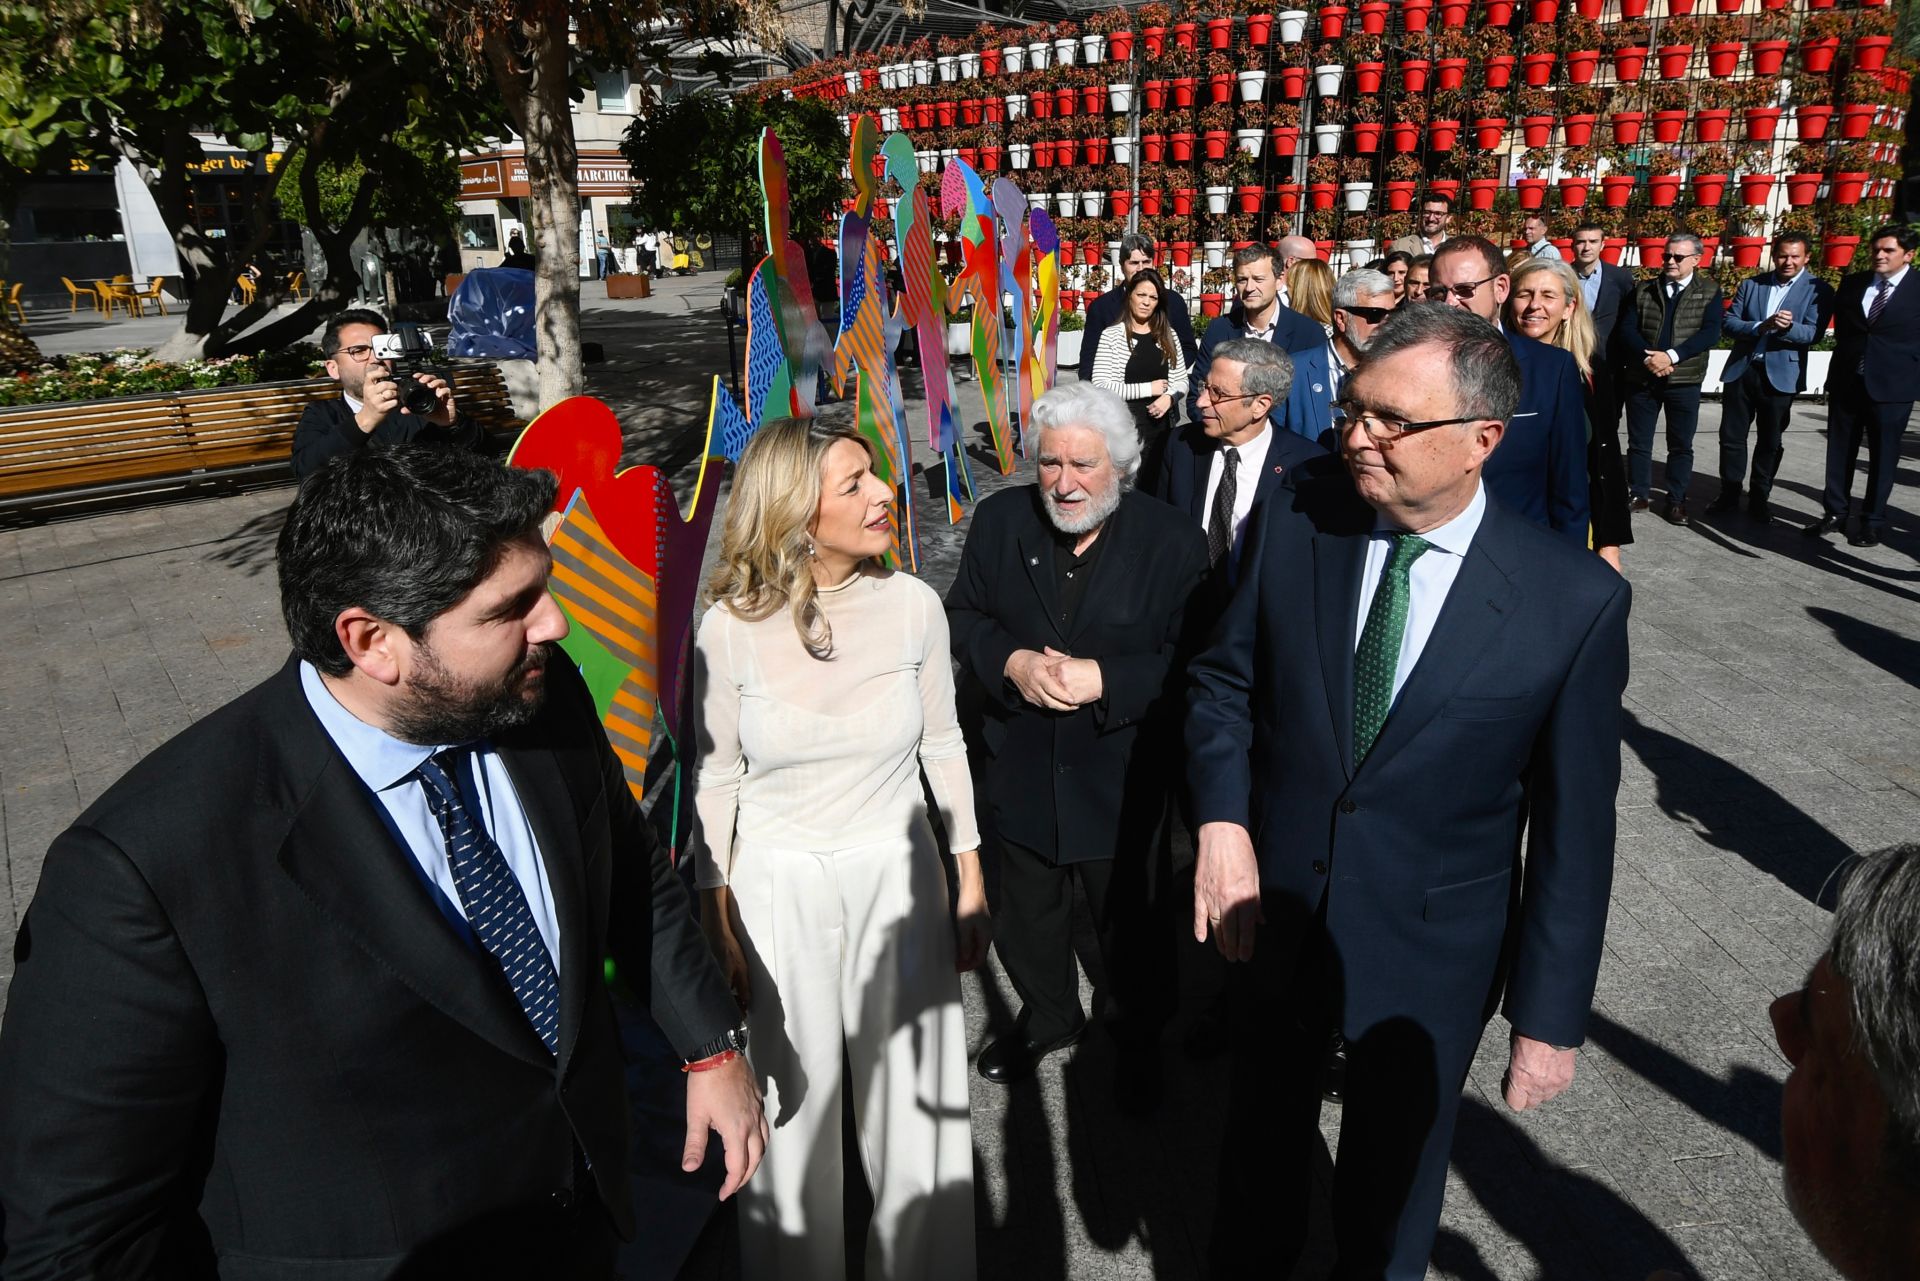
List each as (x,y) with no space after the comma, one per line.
(492,315)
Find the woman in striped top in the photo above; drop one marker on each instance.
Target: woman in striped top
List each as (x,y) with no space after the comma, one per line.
(1141,360)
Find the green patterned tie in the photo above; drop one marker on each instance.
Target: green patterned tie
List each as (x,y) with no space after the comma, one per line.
(1375,662)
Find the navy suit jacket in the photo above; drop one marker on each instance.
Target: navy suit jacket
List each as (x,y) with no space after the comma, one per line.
(1890,347)
(1107,310)
(1292,332)
(1782,354)
(1616,285)
(1539,469)
(1309,408)
(1509,723)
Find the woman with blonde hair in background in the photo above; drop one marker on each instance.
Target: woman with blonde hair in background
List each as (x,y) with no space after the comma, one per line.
(1310,291)
(1546,303)
(824,686)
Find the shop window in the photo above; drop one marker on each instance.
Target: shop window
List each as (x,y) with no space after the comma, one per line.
(610,88)
(479,231)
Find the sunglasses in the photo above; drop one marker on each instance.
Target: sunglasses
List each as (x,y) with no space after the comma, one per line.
(1680,257)
(1372,315)
(1438,293)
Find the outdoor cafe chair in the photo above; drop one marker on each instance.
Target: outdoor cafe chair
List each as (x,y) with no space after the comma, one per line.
(112,294)
(153,295)
(13,301)
(77,293)
(297,284)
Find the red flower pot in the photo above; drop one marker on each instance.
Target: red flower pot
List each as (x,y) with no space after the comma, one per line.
(1452,72)
(1817,55)
(1250,197)
(1582,64)
(1855,119)
(1415,15)
(1184,89)
(1810,122)
(1065,102)
(1746,250)
(1413,74)
(1155,39)
(1838,251)
(1093,151)
(1663,189)
(1069,298)
(1630,63)
(1286,197)
(870,76)
(1153,147)
(923,115)
(1802,188)
(1761,123)
(1093,99)
(1490,132)
(1400,195)
(970,109)
(1674,59)
(1373,17)
(1156,94)
(1845,188)
(1722,58)
(1366,136)
(990,157)
(1481,191)
(1040,104)
(1499,12)
(1538,68)
(1219,33)
(1870,52)
(1403,136)
(1755,188)
(1181,145)
(1612,249)
(1284,139)
(1367,76)
(1442,134)
(1573,192)
(1545,10)
(1667,125)
(944,113)
(1710,123)
(1679,8)
(1653,250)
(1533,192)
(1185,34)
(1182,202)
(995,109)
(1216,142)
(1536,131)
(1579,129)
(970,157)
(1183,253)
(1448,187)
(1219,87)
(1119,46)
(1616,189)
(1453,13)
(1626,126)
(1767,55)
(1293,83)
(1092,251)
(1324,248)
(1333,21)
(1500,71)
(1708,188)
(1211,304)
(1150,201)
(1322,194)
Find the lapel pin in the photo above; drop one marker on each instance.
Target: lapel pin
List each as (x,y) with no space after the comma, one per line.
(1318,388)
(1277,469)
(1033,560)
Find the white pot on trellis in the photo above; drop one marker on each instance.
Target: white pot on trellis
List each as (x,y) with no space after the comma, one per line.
(1064,202)
(1217,198)
(1016,105)
(1327,79)
(1122,149)
(1039,200)
(1013,58)
(890,118)
(1092,202)
(1293,25)
(949,66)
(1065,50)
(853,81)
(1326,139)
(1358,194)
(923,71)
(1020,154)
(1093,48)
(1039,54)
(1360,252)
(924,160)
(1250,140)
(1120,97)
(1253,85)
(1216,251)
(969,66)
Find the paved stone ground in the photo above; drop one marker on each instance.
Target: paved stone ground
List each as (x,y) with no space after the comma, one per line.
(1774,727)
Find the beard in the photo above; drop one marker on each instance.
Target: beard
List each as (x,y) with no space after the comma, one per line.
(443,708)
(1086,516)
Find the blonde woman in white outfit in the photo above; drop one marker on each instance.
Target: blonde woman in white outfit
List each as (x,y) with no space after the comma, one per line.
(824,689)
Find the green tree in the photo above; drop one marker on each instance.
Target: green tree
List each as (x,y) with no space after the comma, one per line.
(696,162)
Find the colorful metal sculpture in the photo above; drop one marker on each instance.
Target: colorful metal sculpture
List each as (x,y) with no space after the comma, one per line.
(963,195)
(787,346)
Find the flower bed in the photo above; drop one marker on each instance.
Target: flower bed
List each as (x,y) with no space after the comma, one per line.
(129,372)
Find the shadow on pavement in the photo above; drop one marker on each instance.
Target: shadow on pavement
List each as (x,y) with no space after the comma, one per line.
(1890,651)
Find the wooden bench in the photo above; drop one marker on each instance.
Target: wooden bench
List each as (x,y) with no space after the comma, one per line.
(97,448)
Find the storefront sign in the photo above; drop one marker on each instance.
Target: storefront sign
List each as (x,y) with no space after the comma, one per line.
(599,174)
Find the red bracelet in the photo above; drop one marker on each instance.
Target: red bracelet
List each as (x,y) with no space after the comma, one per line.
(711,1062)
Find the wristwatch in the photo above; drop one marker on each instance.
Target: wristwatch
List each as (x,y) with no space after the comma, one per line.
(734,1039)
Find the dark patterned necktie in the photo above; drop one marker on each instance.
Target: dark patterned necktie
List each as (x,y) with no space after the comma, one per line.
(1220,522)
(1378,657)
(495,904)
(1880,294)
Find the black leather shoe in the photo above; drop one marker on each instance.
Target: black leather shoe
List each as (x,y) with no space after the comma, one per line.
(1728,501)
(1819,528)
(1334,1087)
(1760,509)
(1865,538)
(1675,513)
(1640,505)
(1014,1057)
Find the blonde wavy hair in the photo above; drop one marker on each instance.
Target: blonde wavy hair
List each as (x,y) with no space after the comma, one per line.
(1310,289)
(1575,334)
(766,547)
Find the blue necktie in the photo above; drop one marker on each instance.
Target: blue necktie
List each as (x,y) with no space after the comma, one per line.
(495,904)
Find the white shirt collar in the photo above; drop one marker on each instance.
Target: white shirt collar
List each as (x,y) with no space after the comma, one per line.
(1457,534)
(1895,279)
(1684,281)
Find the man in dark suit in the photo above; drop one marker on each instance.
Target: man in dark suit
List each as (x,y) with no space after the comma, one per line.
(1541,470)
(1876,365)
(369,410)
(1257,312)
(1066,613)
(1775,318)
(1136,255)
(317,987)
(1382,712)
(1605,288)
(1666,332)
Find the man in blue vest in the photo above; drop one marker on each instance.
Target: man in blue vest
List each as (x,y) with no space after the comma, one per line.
(1668,328)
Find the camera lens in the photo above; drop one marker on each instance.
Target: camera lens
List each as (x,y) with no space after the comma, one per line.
(418,397)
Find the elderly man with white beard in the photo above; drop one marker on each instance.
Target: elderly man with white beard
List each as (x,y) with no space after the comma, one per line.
(1068,621)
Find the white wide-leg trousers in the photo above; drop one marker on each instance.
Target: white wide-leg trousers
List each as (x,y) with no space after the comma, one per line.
(855,948)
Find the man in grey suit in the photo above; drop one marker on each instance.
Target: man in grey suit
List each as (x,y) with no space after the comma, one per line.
(1774,318)
(1436,216)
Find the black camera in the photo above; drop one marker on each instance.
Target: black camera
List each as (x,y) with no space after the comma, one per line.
(401,353)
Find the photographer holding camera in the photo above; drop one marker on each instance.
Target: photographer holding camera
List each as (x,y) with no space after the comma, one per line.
(377,405)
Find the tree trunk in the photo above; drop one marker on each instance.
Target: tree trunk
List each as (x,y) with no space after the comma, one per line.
(336,247)
(535,90)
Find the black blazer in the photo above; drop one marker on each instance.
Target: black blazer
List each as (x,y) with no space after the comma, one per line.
(327,430)
(1090,783)
(240,1026)
(1509,723)
(1108,309)
(1890,347)
(1291,332)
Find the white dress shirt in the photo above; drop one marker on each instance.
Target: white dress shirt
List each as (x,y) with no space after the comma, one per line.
(1672,289)
(1428,581)
(386,765)
(1253,457)
(1873,288)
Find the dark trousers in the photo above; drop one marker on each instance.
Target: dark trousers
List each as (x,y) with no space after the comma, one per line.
(1644,403)
(1400,1100)
(1852,418)
(1033,933)
(1753,399)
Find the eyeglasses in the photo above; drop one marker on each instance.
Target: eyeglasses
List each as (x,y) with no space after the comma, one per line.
(1382,431)
(359,353)
(1219,397)
(1438,293)
(1680,257)
(1372,315)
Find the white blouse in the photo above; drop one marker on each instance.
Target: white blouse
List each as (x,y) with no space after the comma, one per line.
(823,754)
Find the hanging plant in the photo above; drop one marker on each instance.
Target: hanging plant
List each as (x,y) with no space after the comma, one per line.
(1577,34)
(1492,42)
(1665,161)
(1253,115)
(1630,34)
(1540,37)
(1582,100)
(1680,31)
(1405,167)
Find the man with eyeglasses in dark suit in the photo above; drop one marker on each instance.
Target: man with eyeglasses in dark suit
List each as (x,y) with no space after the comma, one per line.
(369,410)
(1666,331)
(1362,300)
